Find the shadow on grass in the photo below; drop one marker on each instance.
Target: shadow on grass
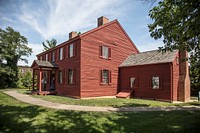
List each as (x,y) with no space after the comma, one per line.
(36,119)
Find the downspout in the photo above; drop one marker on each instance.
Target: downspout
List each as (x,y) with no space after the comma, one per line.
(171,85)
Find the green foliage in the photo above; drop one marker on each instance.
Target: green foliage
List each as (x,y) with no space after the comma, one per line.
(25,80)
(50,44)
(177,22)
(13,47)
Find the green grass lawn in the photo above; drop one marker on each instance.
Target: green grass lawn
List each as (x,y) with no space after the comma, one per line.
(18,117)
(114,102)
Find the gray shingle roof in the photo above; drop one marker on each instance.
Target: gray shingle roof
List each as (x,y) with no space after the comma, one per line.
(149,57)
(42,63)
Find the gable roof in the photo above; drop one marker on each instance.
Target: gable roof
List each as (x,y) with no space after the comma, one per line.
(149,57)
(87,33)
(42,63)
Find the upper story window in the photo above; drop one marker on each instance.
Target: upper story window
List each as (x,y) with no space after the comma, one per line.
(105,76)
(53,56)
(40,57)
(155,82)
(71,50)
(105,52)
(46,57)
(61,53)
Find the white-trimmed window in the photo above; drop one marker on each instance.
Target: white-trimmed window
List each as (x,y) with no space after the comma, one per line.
(132,82)
(46,57)
(105,76)
(61,53)
(40,57)
(155,82)
(60,77)
(53,56)
(70,76)
(105,52)
(71,50)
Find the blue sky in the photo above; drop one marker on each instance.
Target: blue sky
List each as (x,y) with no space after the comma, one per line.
(39,20)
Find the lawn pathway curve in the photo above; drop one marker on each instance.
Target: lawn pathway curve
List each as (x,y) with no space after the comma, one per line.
(39,102)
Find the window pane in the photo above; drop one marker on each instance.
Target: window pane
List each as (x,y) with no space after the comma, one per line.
(53,56)
(105,52)
(105,76)
(46,57)
(70,76)
(132,81)
(60,77)
(155,82)
(71,50)
(61,53)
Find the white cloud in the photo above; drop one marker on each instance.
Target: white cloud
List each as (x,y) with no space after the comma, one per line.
(58,18)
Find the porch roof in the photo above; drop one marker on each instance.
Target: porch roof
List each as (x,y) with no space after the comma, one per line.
(43,64)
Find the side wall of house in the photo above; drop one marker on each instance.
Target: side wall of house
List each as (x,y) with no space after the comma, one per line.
(66,63)
(121,47)
(143,82)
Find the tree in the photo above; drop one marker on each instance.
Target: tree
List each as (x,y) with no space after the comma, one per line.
(13,47)
(177,22)
(50,44)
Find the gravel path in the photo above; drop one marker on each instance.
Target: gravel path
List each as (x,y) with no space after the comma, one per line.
(35,101)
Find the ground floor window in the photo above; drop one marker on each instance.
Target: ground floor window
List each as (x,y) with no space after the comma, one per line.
(155,82)
(105,76)
(70,76)
(132,82)
(60,77)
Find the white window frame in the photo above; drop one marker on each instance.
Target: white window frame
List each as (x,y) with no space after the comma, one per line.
(60,53)
(105,52)
(71,50)
(70,77)
(46,56)
(105,80)
(60,77)
(155,82)
(132,81)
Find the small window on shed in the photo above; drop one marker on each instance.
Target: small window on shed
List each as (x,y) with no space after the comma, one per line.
(155,82)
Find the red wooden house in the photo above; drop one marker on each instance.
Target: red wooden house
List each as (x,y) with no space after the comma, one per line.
(94,64)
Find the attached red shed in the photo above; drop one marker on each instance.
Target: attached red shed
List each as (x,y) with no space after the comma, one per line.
(152,75)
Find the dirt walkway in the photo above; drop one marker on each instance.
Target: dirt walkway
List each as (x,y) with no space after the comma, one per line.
(35,101)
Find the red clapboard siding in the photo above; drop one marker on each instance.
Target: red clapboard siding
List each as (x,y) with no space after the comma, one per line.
(143,85)
(91,63)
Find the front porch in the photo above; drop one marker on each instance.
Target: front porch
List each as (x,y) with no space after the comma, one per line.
(51,92)
(44,77)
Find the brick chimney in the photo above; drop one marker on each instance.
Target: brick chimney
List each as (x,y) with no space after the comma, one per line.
(184,79)
(102,20)
(72,34)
